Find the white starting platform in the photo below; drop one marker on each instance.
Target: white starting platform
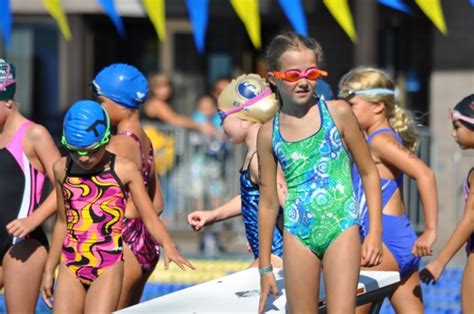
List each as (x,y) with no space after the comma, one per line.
(239,293)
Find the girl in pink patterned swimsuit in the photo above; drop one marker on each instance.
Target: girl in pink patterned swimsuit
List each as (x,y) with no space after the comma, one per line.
(120,89)
(92,187)
(463,133)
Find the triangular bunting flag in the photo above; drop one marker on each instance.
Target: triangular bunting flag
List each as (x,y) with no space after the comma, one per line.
(6,21)
(156,13)
(434,11)
(248,12)
(198,13)
(55,9)
(396,4)
(342,13)
(293,10)
(111,11)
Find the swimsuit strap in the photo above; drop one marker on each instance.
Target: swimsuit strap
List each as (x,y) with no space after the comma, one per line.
(384,130)
(146,162)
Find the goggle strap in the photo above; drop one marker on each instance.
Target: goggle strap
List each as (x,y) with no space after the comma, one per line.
(267,91)
(382,91)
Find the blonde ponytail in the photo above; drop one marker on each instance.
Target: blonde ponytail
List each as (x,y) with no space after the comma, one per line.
(402,123)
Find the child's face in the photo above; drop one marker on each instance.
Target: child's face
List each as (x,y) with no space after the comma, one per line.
(163,90)
(3,112)
(90,160)
(462,135)
(234,129)
(207,107)
(363,110)
(299,92)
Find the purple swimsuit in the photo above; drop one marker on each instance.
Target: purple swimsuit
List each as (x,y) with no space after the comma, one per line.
(134,232)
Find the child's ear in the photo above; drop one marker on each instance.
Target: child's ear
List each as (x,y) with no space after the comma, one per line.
(9,104)
(379,107)
(271,78)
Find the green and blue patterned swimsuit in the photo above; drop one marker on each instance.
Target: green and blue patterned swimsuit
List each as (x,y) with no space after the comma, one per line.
(321,202)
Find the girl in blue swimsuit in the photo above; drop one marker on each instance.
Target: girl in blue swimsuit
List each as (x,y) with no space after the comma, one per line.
(244,105)
(314,141)
(392,140)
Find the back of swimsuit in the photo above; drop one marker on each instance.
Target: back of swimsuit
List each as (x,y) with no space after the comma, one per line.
(398,234)
(135,234)
(20,190)
(95,206)
(321,202)
(250,195)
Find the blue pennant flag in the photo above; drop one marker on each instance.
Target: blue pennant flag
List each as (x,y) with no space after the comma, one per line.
(397,5)
(293,10)
(472,2)
(6,21)
(198,13)
(111,11)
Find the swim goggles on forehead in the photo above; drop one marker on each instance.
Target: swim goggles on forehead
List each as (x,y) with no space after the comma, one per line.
(224,113)
(456,115)
(7,82)
(294,75)
(349,93)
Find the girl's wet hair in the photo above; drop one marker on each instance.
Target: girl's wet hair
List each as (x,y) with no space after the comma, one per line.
(466,108)
(364,78)
(290,41)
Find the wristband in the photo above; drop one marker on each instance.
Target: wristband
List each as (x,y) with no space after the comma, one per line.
(265,270)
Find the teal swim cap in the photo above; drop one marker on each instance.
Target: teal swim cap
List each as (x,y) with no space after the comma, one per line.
(7,80)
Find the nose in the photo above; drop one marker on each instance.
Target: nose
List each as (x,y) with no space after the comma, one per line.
(84,158)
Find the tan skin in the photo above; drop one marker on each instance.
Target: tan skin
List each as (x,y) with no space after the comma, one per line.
(22,265)
(391,159)
(239,131)
(299,119)
(432,272)
(103,294)
(124,146)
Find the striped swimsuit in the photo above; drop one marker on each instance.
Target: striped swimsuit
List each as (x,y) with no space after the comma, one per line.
(321,203)
(95,206)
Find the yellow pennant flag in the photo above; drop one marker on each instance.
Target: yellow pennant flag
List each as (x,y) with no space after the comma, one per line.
(248,12)
(54,8)
(156,12)
(434,11)
(341,12)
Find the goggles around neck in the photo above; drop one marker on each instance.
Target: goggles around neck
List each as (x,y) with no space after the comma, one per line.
(89,150)
(7,82)
(311,74)
(349,93)
(456,115)
(224,113)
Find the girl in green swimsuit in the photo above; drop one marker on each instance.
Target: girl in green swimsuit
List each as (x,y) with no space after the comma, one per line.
(313,140)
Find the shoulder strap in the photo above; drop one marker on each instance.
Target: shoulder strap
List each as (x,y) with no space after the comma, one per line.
(384,130)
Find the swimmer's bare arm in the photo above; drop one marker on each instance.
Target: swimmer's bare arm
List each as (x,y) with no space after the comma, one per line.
(391,152)
(131,177)
(58,236)
(201,218)
(461,234)
(39,144)
(268,208)
(155,191)
(348,126)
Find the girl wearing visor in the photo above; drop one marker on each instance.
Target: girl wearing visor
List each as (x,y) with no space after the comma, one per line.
(121,89)
(392,140)
(27,154)
(244,105)
(93,186)
(463,133)
(313,141)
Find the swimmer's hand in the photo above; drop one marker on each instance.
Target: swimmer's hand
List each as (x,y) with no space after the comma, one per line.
(424,244)
(372,250)
(200,218)
(21,227)
(431,273)
(47,290)
(173,255)
(267,285)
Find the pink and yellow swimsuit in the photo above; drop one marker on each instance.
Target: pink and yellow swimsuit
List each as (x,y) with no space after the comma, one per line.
(95,207)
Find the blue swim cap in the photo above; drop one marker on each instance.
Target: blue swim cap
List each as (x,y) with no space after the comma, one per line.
(122,83)
(86,123)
